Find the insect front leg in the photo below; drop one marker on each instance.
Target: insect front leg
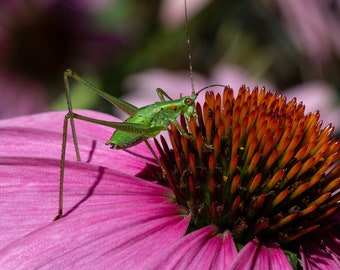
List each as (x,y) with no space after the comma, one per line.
(180,128)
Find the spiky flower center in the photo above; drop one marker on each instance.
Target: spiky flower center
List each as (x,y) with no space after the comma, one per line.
(255,165)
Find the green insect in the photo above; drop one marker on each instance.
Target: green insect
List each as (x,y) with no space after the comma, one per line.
(144,123)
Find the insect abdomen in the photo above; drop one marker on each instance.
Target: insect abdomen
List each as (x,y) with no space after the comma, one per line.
(122,139)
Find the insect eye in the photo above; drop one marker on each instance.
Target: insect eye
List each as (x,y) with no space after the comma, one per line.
(188,101)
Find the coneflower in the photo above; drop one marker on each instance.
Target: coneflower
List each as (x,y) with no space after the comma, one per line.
(257,166)
(254,186)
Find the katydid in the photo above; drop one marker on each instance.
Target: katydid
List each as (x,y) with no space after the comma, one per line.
(144,123)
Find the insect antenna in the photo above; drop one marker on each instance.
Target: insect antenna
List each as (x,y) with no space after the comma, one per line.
(209,86)
(193,93)
(189,48)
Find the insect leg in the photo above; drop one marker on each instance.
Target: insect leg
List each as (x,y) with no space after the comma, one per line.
(121,104)
(161,93)
(144,131)
(62,169)
(63,145)
(180,128)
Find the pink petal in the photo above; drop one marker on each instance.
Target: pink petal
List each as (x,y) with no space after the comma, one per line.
(322,252)
(29,191)
(40,136)
(201,249)
(227,252)
(254,256)
(117,224)
(111,217)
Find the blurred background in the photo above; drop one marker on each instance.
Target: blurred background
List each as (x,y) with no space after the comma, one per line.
(129,48)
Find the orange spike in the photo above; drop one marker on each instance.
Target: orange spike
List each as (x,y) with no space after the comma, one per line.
(274,180)
(333,157)
(178,161)
(254,183)
(184,146)
(299,190)
(308,210)
(326,214)
(279,198)
(333,146)
(243,130)
(308,229)
(324,197)
(308,164)
(193,127)
(267,146)
(250,137)
(235,145)
(244,110)
(302,153)
(220,130)
(217,116)
(283,221)
(315,179)
(293,171)
(206,112)
(271,159)
(332,186)
(259,201)
(233,164)
(235,205)
(254,161)
(227,123)
(235,116)
(208,130)
(217,146)
(210,99)
(234,184)
(252,119)
(294,141)
(251,150)
(287,156)
(283,143)
(323,138)
(217,101)
(228,95)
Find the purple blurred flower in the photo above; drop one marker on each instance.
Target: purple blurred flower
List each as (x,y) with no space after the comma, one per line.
(20,96)
(314,27)
(142,86)
(172,11)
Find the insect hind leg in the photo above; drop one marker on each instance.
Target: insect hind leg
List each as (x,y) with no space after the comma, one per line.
(68,117)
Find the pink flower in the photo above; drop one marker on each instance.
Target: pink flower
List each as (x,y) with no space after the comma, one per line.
(111,215)
(116,215)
